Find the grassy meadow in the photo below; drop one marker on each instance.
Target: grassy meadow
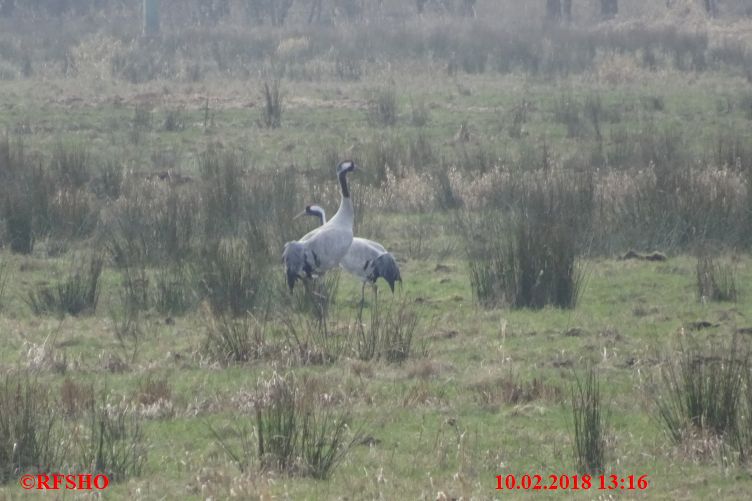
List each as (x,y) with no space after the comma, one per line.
(510,163)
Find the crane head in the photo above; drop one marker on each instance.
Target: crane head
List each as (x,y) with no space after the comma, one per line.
(346,166)
(385,266)
(316,211)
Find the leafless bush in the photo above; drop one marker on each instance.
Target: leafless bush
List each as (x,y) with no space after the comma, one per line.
(235,339)
(296,433)
(76,294)
(589,425)
(112,442)
(715,281)
(702,389)
(272,111)
(382,107)
(30,428)
(4,278)
(538,265)
(389,333)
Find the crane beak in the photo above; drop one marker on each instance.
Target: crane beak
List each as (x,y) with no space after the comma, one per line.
(301,214)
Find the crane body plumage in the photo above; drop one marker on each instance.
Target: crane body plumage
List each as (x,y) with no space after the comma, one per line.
(365,259)
(323,248)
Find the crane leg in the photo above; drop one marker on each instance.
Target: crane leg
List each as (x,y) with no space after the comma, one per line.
(362,302)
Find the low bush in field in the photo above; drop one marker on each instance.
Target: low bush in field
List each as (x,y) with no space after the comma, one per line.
(705,392)
(272,110)
(297,432)
(232,278)
(30,428)
(76,294)
(231,339)
(389,333)
(702,389)
(382,107)
(589,425)
(715,281)
(111,441)
(532,260)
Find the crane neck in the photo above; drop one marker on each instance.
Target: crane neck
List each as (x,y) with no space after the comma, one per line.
(343,184)
(346,212)
(322,217)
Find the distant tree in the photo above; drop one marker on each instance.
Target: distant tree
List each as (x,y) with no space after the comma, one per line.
(609,9)
(711,7)
(151,17)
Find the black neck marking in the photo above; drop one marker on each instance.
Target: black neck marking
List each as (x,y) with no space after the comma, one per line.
(343,184)
(318,214)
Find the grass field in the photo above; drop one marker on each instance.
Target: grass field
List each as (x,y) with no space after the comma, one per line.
(481,144)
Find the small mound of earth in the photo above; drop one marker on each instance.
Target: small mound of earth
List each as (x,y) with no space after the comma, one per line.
(652,256)
(701,324)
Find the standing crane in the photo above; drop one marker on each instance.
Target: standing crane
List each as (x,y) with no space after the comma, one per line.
(366,259)
(323,248)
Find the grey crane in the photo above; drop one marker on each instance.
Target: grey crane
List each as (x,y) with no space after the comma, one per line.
(366,259)
(323,248)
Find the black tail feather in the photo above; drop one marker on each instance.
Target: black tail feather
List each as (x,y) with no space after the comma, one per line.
(294,258)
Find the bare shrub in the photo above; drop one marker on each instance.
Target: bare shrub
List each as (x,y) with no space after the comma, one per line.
(382,107)
(701,388)
(232,278)
(75,398)
(173,121)
(296,433)
(4,279)
(19,222)
(112,441)
(420,114)
(568,111)
(538,265)
(175,289)
(127,329)
(151,390)
(272,110)
(76,294)
(222,192)
(715,281)
(30,428)
(389,333)
(151,224)
(317,297)
(589,425)
(348,67)
(231,339)
(512,390)
(313,341)
(70,165)
(141,123)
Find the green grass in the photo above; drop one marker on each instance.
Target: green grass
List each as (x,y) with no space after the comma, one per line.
(434,427)
(427,429)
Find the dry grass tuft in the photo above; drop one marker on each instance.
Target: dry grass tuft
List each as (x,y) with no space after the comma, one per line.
(510,389)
